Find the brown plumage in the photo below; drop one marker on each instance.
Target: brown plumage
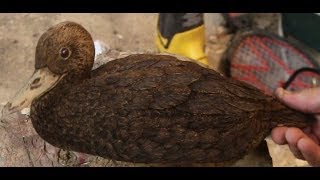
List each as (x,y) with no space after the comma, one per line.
(148,108)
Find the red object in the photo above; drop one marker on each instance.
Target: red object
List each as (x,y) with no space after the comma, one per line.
(267,63)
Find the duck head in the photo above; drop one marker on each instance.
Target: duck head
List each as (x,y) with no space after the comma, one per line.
(64,50)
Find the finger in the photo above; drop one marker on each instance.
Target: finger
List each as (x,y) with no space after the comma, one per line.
(316,129)
(310,151)
(314,138)
(308,131)
(307,100)
(278,135)
(292,136)
(296,152)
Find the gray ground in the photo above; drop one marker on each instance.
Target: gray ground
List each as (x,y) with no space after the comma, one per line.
(19,34)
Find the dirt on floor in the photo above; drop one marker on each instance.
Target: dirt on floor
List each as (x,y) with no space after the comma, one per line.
(19,34)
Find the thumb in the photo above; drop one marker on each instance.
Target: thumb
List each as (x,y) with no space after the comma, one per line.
(310,151)
(307,100)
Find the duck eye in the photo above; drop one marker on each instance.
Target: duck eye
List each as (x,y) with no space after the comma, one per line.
(36,81)
(65,53)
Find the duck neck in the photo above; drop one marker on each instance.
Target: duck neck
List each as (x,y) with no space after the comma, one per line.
(64,85)
(75,77)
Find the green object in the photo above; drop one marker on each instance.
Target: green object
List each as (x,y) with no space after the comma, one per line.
(304,27)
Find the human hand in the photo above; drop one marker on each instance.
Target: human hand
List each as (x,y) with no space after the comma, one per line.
(304,144)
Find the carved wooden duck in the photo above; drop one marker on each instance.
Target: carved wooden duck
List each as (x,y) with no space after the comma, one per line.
(144,108)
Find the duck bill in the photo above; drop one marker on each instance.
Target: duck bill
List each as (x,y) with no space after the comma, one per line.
(40,82)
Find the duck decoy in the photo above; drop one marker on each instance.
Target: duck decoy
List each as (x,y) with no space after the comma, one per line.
(144,108)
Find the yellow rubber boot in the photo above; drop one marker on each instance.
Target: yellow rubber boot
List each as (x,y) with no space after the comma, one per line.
(182,34)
